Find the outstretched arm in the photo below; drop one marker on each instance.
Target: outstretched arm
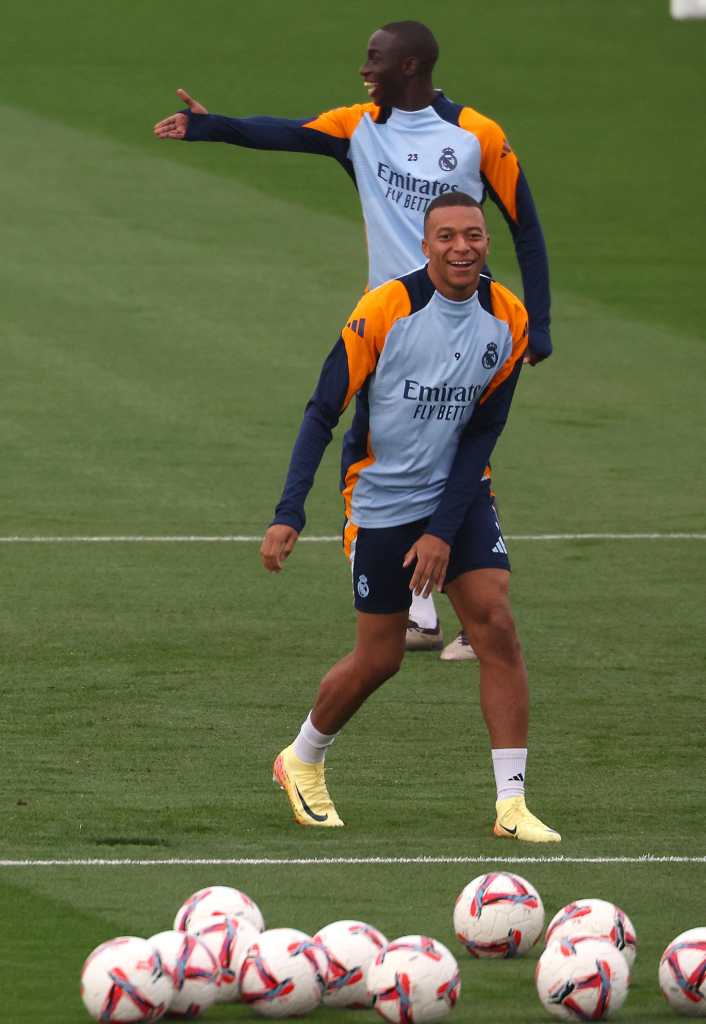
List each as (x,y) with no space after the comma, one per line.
(326,134)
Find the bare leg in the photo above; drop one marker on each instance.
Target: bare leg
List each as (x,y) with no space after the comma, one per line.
(377,655)
(481,601)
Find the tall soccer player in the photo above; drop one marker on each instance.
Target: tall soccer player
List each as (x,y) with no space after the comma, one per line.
(405,147)
(436,355)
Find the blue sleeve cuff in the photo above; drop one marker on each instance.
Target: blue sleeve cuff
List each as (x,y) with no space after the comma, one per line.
(540,343)
(288,518)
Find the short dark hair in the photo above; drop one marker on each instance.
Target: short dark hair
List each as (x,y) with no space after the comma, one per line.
(451,199)
(417,41)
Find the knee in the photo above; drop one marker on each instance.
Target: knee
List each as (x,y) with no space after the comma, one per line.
(385,666)
(496,628)
(378,666)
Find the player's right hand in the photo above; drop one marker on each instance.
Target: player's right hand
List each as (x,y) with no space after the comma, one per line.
(432,557)
(277,546)
(175,126)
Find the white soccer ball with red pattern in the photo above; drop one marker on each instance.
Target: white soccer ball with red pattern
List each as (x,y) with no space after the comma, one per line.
(351,946)
(228,938)
(122,980)
(192,969)
(414,979)
(598,918)
(283,973)
(682,973)
(218,899)
(498,915)
(586,980)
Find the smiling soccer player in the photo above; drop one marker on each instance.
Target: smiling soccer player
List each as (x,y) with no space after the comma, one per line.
(435,356)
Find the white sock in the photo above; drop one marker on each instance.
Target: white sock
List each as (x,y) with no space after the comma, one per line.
(423,612)
(510,767)
(311,745)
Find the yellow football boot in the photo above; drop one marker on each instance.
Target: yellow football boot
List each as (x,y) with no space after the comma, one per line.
(305,787)
(514,821)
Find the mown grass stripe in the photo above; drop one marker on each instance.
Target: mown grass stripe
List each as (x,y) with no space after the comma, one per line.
(646,858)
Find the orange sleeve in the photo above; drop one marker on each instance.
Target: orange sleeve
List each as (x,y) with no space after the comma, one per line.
(499,165)
(343,121)
(508,307)
(367,328)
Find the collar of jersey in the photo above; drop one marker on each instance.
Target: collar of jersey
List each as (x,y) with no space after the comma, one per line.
(407,118)
(452,307)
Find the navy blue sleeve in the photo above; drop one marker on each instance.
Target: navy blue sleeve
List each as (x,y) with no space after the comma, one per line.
(532,258)
(274,133)
(321,416)
(474,451)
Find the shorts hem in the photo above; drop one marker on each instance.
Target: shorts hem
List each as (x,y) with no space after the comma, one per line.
(382,611)
(474,568)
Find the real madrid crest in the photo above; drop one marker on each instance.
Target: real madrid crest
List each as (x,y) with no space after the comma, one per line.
(448,160)
(490,356)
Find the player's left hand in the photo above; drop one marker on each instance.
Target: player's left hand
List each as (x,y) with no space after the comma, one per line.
(539,347)
(277,546)
(531,358)
(432,555)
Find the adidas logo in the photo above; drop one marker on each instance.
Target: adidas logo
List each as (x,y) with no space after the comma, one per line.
(517,778)
(500,548)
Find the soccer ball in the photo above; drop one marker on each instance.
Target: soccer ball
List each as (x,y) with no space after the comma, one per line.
(682,973)
(586,980)
(192,969)
(498,914)
(595,917)
(350,946)
(122,980)
(228,938)
(413,978)
(283,973)
(218,899)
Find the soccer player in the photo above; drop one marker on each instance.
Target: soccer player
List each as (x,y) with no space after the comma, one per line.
(434,356)
(409,144)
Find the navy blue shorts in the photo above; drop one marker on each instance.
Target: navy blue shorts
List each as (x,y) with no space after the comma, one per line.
(381,585)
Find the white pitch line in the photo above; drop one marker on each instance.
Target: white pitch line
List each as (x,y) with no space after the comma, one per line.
(646,858)
(606,536)
(174,539)
(245,539)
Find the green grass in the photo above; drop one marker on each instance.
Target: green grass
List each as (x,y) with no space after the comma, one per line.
(157,694)
(166,310)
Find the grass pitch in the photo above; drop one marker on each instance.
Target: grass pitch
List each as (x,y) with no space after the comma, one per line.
(166,310)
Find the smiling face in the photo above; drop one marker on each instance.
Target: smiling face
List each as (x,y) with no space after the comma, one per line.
(456,243)
(385,72)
